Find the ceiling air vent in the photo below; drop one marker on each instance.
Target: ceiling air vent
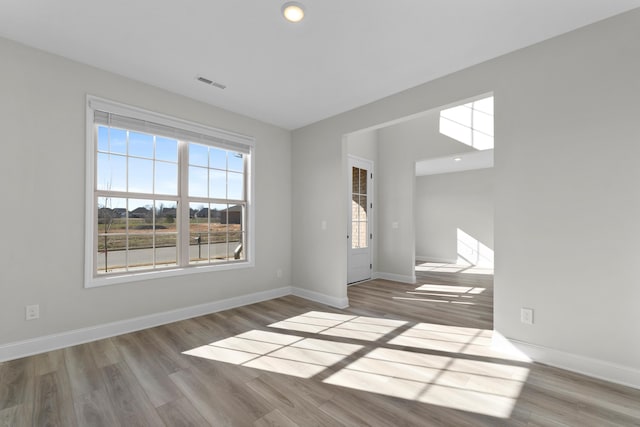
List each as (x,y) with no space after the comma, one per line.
(211,82)
(205,80)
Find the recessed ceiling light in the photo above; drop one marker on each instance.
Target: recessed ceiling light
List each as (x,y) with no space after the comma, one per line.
(457,159)
(293,11)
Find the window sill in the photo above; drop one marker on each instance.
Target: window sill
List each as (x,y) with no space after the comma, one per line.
(128,277)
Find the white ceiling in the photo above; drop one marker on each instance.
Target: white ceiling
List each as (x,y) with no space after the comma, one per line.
(346,53)
(469,160)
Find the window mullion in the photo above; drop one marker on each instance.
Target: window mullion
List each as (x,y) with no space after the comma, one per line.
(217,201)
(126,250)
(183,203)
(153,236)
(145,196)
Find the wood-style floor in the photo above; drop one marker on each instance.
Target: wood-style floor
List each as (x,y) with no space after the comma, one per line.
(414,355)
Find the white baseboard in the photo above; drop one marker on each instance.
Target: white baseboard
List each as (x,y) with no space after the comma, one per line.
(395,277)
(596,368)
(424,258)
(38,345)
(321,298)
(607,371)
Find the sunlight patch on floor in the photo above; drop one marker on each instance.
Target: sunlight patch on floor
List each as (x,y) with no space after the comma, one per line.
(424,362)
(356,327)
(276,352)
(449,288)
(464,268)
(448,294)
(482,387)
(433,300)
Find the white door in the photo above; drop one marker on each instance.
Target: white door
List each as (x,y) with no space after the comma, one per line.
(359,234)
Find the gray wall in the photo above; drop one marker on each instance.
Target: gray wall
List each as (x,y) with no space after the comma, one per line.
(446,203)
(364,145)
(42,111)
(566,197)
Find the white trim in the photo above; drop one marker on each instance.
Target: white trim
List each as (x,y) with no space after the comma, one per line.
(360,162)
(321,298)
(596,368)
(90,255)
(250,197)
(395,277)
(38,345)
(362,281)
(423,258)
(132,276)
(359,159)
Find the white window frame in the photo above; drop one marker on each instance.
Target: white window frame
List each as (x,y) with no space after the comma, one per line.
(234,139)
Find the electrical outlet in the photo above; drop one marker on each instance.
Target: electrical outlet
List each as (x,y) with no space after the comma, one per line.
(279,273)
(32,312)
(526,316)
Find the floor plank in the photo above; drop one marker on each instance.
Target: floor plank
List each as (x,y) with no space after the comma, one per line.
(216,408)
(181,413)
(17,382)
(53,405)
(83,373)
(105,353)
(130,404)
(17,416)
(275,418)
(94,409)
(143,359)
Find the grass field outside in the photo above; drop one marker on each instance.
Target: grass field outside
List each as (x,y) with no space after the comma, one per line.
(141,234)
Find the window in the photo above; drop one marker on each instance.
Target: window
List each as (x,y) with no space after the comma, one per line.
(359,218)
(471,124)
(167,196)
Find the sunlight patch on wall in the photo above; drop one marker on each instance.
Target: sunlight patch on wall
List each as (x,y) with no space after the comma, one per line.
(470,124)
(472,251)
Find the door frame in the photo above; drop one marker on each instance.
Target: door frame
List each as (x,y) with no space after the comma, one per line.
(369,166)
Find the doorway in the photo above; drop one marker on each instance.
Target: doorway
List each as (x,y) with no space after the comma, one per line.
(360,235)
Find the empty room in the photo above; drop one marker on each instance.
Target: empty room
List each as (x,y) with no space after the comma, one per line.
(272,213)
